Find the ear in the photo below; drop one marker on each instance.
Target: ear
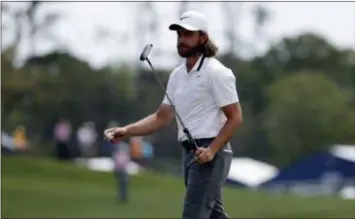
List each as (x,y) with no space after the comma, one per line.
(203,38)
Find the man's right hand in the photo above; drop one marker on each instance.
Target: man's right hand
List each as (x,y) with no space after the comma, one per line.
(115,134)
(146,126)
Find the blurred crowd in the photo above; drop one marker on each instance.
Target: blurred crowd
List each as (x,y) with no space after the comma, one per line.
(86,144)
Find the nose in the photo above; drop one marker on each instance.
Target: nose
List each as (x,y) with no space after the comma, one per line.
(181,39)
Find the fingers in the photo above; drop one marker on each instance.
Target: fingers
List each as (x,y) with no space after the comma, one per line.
(118,133)
(109,133)
(198,151)
(108,136)
(109,130)
(114,135)
(201,155)
(201,160)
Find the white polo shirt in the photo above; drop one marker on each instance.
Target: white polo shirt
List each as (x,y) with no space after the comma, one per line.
(199,95)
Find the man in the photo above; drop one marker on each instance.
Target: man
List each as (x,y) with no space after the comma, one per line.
(62,134)
(204,94)
(121,160)
(120,153)
(86,137)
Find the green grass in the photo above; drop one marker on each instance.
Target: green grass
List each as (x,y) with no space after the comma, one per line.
(43,188)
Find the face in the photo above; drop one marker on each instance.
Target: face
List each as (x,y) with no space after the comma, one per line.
(188,42)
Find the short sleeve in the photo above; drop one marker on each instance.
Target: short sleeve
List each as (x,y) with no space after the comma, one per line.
(223,87)
(169,90)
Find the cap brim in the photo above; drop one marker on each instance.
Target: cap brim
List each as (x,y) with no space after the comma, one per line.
(184,26)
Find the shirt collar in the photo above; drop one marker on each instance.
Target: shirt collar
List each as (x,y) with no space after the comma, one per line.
(197,64)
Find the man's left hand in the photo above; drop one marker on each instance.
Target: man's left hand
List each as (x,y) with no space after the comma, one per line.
(204,155)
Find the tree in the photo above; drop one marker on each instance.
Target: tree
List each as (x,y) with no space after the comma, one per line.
(261,16)
(307,113)
(26,24)
(231,12)
(309,52)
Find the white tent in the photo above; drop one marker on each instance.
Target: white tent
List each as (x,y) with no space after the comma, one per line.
(106,164)
(250,172)
(346,152)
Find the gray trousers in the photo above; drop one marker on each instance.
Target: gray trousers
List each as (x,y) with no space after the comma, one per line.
(122,185)
(203,198)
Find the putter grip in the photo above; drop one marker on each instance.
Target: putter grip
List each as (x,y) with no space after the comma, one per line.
(189,136)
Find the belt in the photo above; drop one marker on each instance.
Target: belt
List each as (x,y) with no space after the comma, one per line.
(201,142)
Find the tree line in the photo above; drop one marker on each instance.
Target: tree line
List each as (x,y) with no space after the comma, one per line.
(297,98)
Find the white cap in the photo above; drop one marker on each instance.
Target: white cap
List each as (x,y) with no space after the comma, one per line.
(191,20)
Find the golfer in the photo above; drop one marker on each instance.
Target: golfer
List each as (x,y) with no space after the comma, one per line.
(204,94)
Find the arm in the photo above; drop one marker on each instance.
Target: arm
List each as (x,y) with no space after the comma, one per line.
(152,123)
(233,113)
(226,96)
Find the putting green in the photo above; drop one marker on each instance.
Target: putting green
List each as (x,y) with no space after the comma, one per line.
(43,188)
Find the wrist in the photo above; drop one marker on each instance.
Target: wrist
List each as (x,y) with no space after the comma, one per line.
(213,149)
(128,130)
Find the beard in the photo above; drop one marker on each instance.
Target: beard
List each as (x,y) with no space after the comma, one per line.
(189,52)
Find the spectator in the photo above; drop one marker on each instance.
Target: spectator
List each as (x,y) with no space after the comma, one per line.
(106,148)
(62,133)
(20,139)
(121,158)
(136,149)
(86,138)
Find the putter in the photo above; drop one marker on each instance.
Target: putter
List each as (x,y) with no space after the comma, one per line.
(144,57)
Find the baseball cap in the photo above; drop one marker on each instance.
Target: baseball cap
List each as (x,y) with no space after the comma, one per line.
(192,21)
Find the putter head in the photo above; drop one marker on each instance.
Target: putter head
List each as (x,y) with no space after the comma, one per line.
(147,49)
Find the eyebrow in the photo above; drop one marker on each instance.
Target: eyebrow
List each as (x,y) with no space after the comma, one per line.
(183,31)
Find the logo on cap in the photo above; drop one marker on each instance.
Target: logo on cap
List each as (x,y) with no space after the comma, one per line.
(182,18)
